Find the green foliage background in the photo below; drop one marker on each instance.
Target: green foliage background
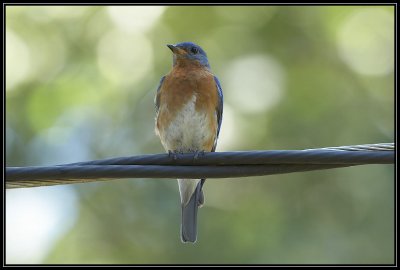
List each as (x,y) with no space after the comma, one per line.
(80,86)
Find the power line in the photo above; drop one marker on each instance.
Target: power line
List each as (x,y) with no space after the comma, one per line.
(202,165)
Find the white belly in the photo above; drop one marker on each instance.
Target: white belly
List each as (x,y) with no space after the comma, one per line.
(188,131)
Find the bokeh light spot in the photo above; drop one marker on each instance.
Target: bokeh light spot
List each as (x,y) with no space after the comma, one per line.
(366,41)
(124,57)
(35,219)
(18,60)
(135,18)
(255,83)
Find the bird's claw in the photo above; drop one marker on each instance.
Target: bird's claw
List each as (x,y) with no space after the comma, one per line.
(173,155)
(197,154)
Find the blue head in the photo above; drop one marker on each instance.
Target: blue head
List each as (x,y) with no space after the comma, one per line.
(188,51)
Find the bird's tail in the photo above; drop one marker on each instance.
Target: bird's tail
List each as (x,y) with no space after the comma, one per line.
(190,204)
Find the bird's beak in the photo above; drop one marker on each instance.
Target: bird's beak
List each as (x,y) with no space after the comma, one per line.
(176,50)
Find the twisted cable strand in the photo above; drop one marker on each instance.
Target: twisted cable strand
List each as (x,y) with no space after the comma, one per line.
(209,165)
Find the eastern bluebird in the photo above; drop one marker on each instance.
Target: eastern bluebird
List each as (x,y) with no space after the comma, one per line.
(189,105)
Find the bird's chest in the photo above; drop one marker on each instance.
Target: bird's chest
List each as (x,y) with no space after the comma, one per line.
(189,129)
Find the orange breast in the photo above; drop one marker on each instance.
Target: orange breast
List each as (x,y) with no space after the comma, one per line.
(178,88)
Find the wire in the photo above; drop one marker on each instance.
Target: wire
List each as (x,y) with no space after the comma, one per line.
(308,156)
(202,165)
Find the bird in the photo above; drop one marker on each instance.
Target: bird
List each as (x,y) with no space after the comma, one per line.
(189,107)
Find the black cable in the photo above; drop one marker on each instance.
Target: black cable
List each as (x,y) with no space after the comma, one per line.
(254,158)
(207,165)
(52,175)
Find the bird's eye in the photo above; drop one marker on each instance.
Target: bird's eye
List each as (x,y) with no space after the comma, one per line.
(194,50)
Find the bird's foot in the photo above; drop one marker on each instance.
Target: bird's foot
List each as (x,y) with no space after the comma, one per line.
(198,153)
(173,154)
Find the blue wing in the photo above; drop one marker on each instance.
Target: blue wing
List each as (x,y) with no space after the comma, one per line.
(219,109)
(157,98)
